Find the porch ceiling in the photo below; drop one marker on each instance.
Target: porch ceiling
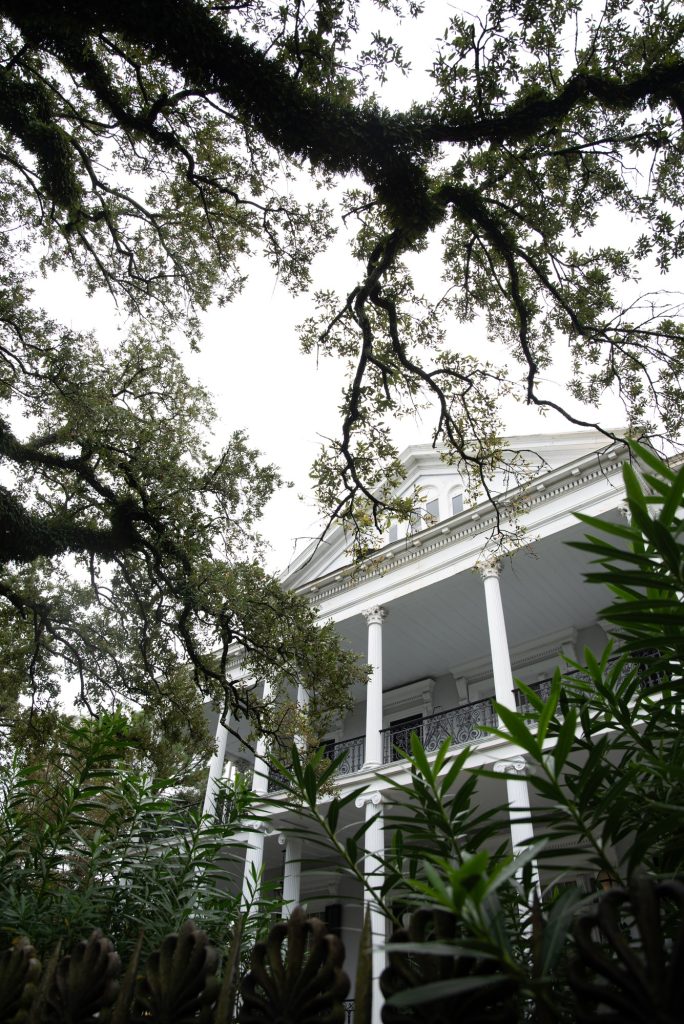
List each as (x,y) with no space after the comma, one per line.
(443,626)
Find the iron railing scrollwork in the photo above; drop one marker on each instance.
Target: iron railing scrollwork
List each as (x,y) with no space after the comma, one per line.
(276,781)
(354,748)
(356,753)
(542,688)
(465,724)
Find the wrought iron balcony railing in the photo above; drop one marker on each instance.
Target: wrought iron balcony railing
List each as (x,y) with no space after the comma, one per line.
(276,781)
(465,724)
(542,687)
(356,753)
(354,748)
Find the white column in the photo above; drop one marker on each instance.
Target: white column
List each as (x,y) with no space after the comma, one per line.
(254,857)
(302,704)
(374,617)
(292,873)
(518,794)
(254,862)
(498,643)
(516,789)
(260,775)
(216,768)
(374,871)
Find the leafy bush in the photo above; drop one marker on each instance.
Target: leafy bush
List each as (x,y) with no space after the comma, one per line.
(87,840)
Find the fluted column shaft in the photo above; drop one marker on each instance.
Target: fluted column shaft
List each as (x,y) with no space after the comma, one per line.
(518,795)
(517,790)
(302,704)
(254,862)
(216,769)
(254,856)
(498,641)
(260,774)
(374,617)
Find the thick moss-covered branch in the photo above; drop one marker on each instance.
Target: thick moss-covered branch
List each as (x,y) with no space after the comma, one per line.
(388,150)
(335,136)
(531,115)
(25,536)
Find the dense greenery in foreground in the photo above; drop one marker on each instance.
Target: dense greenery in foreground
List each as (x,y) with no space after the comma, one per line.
(152,146)
(88,839)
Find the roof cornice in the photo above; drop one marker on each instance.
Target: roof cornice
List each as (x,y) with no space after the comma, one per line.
(479,519)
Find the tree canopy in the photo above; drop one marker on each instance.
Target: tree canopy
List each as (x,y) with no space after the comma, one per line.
(151,145)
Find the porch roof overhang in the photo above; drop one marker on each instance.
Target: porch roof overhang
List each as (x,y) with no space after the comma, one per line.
(441,628)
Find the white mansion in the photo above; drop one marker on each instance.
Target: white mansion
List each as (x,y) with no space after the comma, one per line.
(445,629)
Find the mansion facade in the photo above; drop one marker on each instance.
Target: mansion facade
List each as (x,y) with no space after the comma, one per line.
(446,626)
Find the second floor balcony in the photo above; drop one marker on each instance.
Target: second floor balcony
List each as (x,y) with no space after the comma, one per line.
(466,724)
(463,725)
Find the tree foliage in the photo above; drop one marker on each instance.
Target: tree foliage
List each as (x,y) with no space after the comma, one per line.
(152,146)
(89,839)
(130,550)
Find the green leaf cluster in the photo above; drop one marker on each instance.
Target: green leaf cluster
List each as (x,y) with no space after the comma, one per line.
(89,840)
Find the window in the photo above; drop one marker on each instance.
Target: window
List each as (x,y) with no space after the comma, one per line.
(432,512)
(456,504)
(393,533)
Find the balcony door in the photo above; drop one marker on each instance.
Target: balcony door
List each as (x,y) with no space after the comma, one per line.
(400,732)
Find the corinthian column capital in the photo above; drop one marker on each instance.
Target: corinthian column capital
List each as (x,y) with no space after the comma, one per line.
(489,567)
(375,615)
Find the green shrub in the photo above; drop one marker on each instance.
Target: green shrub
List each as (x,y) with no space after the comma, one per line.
(88,841)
